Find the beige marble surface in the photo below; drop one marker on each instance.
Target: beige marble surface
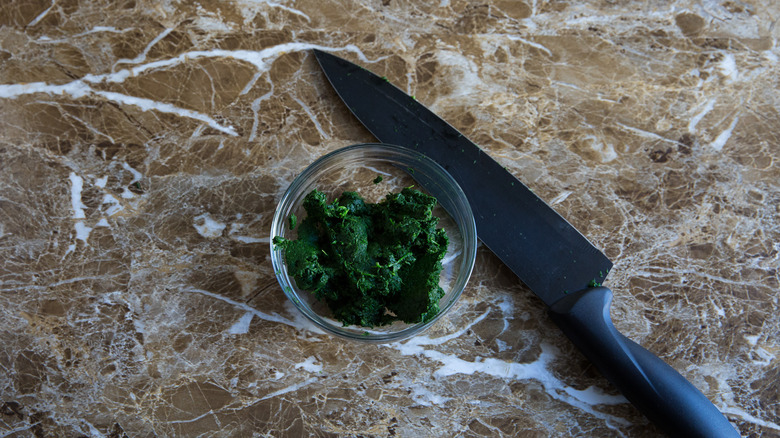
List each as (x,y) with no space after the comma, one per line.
(144,146)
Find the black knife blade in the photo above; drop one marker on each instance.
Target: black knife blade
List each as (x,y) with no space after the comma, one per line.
(549,255)
(561,260)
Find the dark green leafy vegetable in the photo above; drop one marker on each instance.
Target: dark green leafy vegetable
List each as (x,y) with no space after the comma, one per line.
(371,263)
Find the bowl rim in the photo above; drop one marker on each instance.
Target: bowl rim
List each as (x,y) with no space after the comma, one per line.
(466,227)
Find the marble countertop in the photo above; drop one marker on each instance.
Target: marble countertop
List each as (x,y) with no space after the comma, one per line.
(144,146)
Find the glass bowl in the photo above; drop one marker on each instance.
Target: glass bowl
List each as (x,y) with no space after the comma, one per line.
(355,168)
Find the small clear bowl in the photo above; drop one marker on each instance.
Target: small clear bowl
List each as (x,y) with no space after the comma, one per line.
(354,168)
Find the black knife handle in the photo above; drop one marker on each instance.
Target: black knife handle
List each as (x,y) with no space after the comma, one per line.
(660,392)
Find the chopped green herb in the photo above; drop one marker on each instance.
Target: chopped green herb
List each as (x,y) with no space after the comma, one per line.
(378,179)
(381,262)
(293,221)
(594,283)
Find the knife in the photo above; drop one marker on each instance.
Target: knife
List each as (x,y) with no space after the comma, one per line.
(547,253)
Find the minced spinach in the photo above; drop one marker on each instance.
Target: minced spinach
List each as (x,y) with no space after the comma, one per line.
(371,263)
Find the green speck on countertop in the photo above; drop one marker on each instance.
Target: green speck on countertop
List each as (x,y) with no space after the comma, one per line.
(378,179)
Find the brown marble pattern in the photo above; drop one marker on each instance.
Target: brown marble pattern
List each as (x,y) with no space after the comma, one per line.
(144,146)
